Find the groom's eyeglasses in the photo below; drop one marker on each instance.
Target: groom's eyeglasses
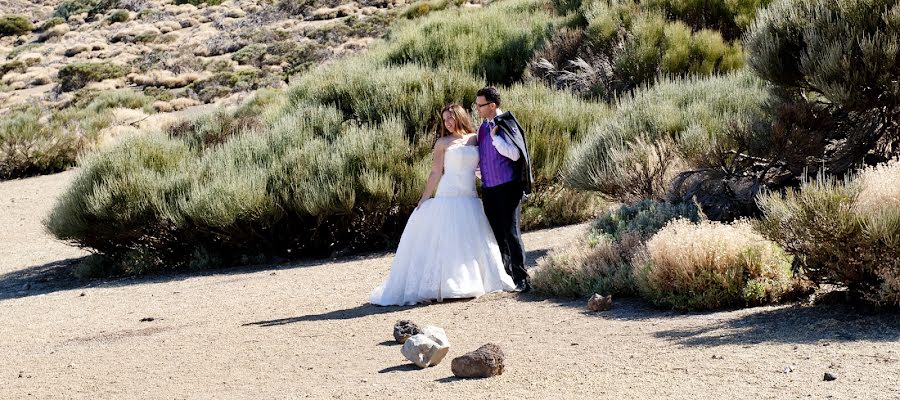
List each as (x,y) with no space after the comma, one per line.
(478,106)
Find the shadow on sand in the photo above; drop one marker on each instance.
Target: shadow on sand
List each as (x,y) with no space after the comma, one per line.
(60,276)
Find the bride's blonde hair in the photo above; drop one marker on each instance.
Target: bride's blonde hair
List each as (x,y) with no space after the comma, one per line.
(462,118)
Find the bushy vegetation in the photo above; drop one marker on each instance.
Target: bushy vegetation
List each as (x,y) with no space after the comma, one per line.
(819,99)
(730,17)
(665,131)
(28,146)
(602,262)
(495,43)
(199,2)
(643,103)
(119,15)
(308,184)
(78,75)
(93,8)
(617,46)
(14,25)
(51,22)
(422,8)
(844,232)
(37,141)
(842,55)
(710,265)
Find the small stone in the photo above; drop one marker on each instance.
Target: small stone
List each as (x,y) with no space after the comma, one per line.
(829,377)
(485,362)
(787,370)
(718,357)
(404,329)
(82,294)
(599,303)
(428,348)
(148,319)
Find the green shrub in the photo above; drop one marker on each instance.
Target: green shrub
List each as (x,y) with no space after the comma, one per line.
(251,54)
(845,233)
(15,25)
(199,2)
(29,146)
(642,220)
(710,265)
(298,56)
(662,131)
(495,42)
(224,83)
(108,100)
(118,16)
(294,190)
(22,49)
(558,205)
(422,8)
(588,266)
(553,120)
(729,17)
(601,262)
(76,76)
(845,50)
(624,45)
(370,93)
(51,22)
(69,8)
(13,66)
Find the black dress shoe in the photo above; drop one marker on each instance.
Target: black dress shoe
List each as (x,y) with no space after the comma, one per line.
(523,287)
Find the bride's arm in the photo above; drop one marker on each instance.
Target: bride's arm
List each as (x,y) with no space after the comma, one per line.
(437,169)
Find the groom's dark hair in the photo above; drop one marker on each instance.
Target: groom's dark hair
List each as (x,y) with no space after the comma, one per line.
(490,94)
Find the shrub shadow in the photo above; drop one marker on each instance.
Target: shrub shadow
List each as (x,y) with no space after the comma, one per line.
(60,276)
(792,324)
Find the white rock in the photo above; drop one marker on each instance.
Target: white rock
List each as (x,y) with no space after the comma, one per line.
(428,348)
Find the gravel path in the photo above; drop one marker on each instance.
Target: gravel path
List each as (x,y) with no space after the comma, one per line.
(303,330)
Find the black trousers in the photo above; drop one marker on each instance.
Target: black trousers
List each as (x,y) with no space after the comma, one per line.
(502,205)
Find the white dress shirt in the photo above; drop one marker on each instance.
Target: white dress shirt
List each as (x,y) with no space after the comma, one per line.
(504,147)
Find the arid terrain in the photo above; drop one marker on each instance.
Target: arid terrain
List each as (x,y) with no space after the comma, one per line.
(304,330)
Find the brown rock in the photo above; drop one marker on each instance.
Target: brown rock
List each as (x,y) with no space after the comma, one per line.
(403,330)
(485,362)
(599,303)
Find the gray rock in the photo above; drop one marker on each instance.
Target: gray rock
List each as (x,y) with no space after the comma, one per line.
(485,362)
(427,348)
(599,303)
(404,329)
(829,377)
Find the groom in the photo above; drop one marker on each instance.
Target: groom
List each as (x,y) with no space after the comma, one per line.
(506,180)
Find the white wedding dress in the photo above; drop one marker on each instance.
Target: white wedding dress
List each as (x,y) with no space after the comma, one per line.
(447,249)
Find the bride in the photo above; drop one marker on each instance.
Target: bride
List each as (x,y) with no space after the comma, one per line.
(447,249)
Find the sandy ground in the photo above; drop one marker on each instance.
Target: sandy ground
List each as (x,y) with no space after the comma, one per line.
(303,330)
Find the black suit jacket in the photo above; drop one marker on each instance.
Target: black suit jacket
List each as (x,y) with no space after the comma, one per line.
(511,129)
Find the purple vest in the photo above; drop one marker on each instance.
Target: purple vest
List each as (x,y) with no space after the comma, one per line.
(495,168)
